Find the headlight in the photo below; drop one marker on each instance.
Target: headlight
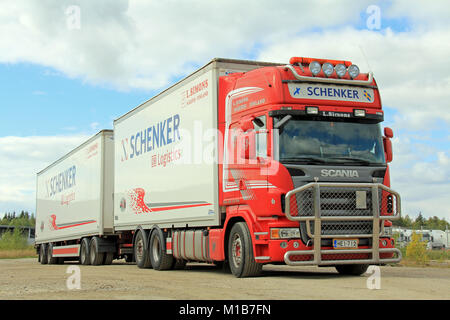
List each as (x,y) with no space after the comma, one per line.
(353,71)
(327,69)
(341,70)
(284,233)
(315,68)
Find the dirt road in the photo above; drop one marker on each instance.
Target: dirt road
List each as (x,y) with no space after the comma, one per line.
(27,279)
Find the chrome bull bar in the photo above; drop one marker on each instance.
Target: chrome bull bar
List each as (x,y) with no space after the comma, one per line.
(317,218)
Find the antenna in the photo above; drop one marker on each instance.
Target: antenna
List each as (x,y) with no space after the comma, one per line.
(365,57)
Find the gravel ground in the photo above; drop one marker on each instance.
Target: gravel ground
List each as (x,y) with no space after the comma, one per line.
(27,279)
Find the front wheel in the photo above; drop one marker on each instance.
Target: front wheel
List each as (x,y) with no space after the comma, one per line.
(352,269)
(240,252)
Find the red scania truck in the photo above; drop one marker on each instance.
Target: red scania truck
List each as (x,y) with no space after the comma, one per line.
(242,162)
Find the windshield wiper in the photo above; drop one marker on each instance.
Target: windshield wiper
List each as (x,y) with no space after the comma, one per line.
(304,159)
(358,160)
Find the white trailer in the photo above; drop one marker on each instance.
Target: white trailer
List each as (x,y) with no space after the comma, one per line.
(166,160)
(74,199)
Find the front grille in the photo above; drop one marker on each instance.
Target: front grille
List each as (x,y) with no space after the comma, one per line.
(335,201)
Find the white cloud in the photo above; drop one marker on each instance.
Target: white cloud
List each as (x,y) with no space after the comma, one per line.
(21,158)
(145,44)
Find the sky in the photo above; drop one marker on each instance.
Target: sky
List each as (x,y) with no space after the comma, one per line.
(68,68)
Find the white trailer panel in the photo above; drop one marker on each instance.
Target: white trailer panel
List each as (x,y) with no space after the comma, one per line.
(74,195)
(165,168)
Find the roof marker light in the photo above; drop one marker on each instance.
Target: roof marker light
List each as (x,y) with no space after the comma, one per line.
(315,68)
(353,71)
(341,70)
(312,110)
(327,69)
(359,113)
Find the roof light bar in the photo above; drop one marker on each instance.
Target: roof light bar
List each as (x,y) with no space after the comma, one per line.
(315,68)
(353,71)
(341,70)
(328,69)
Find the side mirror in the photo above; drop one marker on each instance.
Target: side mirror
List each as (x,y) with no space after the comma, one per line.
(388,149)
(388,133)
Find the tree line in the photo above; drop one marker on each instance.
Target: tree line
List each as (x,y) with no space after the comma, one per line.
(432,223)
(23,219)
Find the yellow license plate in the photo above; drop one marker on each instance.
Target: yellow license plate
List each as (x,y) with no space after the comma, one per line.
(345,243)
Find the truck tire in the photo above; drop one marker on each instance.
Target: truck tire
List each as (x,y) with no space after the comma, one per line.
(178,264)
(85,258)
(240,252)
(141,252)
(109,257)
(352,269)
(158,254)
(50,258)
(43,258)
(96,257)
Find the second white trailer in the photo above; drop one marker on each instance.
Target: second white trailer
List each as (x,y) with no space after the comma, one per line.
(165,168)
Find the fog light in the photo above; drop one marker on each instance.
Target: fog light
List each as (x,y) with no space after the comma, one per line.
(384,243)
(284,245)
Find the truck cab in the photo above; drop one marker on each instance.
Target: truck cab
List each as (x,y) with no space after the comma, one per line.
(306,164)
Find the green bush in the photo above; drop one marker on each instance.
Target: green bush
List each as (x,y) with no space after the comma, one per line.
(417,249)
(13,240)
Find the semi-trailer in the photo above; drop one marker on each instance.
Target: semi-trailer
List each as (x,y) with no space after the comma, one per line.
(242,162)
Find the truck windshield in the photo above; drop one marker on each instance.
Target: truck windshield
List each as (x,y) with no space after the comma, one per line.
(318,141)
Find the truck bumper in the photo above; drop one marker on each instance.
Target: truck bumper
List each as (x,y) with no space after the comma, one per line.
(380,252)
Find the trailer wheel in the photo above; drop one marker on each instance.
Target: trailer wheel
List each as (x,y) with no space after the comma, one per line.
(43,258)
(141,252)
(50,258)
(158,254)
(109,257)
(96,257)
(352,269)
(85,258)
(240,252)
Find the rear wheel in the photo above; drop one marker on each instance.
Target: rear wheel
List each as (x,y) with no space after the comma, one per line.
(109,257)
(50,258)
(43,258)
(141,252)
(84,252)
(96,257)
(158,254)
(352,269)
(240,252)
